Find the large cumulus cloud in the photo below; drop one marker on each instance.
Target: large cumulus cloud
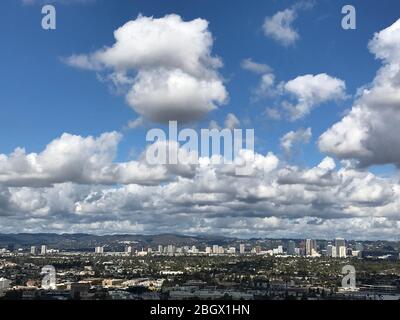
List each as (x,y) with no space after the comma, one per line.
(274,199)
(167,64)
(370,132)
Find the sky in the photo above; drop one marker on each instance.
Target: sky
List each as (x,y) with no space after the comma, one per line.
(77,102)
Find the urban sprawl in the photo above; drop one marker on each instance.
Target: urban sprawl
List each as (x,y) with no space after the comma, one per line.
(238,269)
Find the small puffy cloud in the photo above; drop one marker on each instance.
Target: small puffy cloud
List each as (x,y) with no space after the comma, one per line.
(214,125)
(255,67)
(308,92)
(312,90)
(231,121)
(273,113)
(172,80)
(279,27)
(294,137)
(369,132)
(266,87)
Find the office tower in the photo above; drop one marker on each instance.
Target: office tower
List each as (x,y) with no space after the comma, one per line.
(128,249)
(99,250)
(242,248)
(329,250)
(194,249)
(340,245)
(280,250)
(160,248)
(4,285)
(311,247)
(208,250)
(257,249)
(291,248)
(171,249)
(215,248)
(33,250)
(149,250)
(221,250)
(43,249)
(232,250)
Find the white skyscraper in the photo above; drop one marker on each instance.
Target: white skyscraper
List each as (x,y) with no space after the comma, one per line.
(33,250)
(311,247)
(242,248)
(340,245)
(215,248)
(99,250)
(128,249)
(43,249)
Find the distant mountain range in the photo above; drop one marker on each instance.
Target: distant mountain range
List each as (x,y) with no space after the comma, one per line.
(87,242)
(81,241)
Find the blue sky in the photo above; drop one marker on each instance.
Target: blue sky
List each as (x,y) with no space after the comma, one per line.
(45,94)
(55,98)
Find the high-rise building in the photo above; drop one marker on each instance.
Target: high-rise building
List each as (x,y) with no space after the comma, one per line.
(291,248)
(340,245)
(43,249)
(280,250)
(311,247)
(128,250)
(242,248)
(215,248)
(171,249)
(4,285)
(99,250)
(160,248)
(329,249)
(194,249)
(33,250)
(208,250)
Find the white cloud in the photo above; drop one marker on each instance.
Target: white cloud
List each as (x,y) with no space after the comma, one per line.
(273,113)
(231,121)
(162,95)
(312,90)
(255,67)
(294,137)
(279,27)
(308,92)
(266,87)
(369,132)
(72,158)
(174,80)
(133,124)
(277,199)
